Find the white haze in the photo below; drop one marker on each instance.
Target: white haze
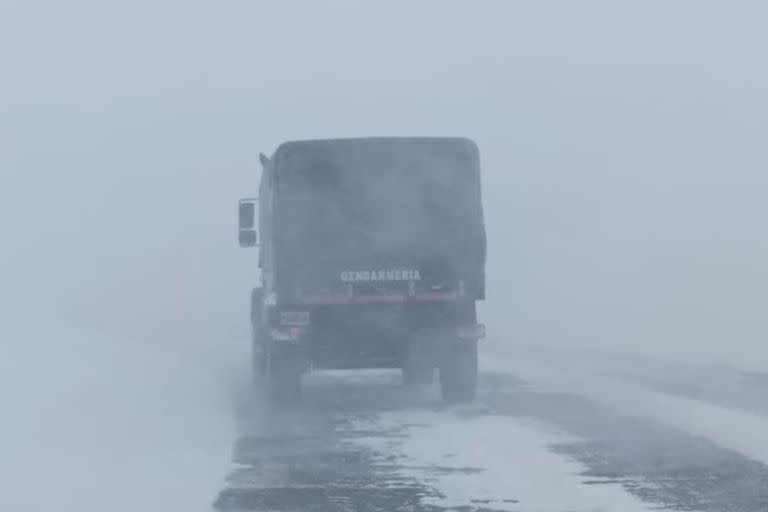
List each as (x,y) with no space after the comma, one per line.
(624,169)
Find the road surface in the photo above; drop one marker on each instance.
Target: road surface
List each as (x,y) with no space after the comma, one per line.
(550,431)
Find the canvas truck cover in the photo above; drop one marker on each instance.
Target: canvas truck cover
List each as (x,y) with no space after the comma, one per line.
(384,212)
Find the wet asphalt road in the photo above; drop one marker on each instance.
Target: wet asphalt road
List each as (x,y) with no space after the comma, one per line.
(338,452)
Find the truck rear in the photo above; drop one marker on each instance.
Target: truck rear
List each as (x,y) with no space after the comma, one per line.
(372,255)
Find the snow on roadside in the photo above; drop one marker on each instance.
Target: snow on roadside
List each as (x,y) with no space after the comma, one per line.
(498,462)
(736,430)
(95,423)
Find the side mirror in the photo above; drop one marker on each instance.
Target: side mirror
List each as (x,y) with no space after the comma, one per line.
(247,223)
(247,214)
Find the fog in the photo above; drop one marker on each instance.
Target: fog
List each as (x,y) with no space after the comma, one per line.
(623,159)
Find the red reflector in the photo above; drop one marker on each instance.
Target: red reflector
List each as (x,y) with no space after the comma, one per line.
(286,333)
(471,332)
(294,318)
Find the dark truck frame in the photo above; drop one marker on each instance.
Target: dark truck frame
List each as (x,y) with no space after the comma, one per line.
(358,324)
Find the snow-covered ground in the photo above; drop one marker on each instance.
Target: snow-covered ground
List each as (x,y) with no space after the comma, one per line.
(93,423)
(501,462)
(613,380)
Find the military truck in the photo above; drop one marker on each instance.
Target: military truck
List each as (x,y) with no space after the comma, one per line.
(371,254)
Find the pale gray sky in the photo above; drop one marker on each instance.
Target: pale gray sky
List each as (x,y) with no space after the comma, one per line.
(623,147)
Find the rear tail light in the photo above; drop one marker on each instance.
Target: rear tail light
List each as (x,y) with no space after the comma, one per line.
(294,318)
(286,333)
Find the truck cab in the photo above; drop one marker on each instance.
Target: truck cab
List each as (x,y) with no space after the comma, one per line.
(372,255)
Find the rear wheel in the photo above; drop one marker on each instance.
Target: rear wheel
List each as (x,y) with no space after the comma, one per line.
(258,352)
(258,360)
(458,371)
(283,374)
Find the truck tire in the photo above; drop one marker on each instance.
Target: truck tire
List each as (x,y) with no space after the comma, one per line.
(418,367)
(258,360)
(284,376)
(458,372)
(258,351)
